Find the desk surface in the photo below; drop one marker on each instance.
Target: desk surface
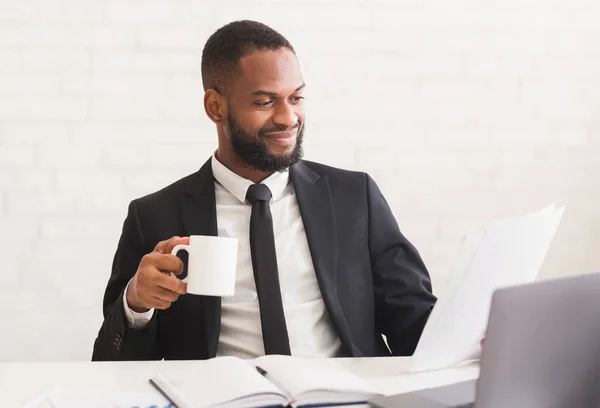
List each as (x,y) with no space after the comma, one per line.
(23,382)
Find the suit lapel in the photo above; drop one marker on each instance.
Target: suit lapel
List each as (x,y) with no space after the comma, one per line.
(199,216)
(315,201)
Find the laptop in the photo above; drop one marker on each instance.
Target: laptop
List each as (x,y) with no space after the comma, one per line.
(542,350)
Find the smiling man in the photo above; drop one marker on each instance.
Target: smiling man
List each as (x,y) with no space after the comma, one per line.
(323,269)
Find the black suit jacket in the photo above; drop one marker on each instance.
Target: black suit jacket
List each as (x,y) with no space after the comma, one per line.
(372,279)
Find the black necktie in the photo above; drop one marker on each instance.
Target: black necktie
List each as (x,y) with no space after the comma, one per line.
(266,275)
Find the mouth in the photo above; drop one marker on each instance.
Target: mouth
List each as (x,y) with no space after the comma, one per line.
(285,138)
(282,135)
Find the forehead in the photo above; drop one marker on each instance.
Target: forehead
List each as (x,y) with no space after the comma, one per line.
(273,71)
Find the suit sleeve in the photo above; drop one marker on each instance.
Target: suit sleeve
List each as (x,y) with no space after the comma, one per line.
(116,341)
(403,293)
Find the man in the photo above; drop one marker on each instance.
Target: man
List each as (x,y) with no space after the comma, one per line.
(334,273)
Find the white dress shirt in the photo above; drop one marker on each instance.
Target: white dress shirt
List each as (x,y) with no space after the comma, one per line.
(310,330)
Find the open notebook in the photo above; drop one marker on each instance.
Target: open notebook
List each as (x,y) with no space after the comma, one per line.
(264,381)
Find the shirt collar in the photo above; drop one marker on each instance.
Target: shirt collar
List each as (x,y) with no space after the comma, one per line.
(238,186)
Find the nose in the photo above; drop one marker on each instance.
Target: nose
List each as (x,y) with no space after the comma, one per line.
(284,115)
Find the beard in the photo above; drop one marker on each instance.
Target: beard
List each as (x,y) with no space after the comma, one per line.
(253,150)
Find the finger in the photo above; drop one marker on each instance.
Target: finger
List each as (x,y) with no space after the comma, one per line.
(159,303)
(165,247)
(167,263)
(172,283)
(165,294)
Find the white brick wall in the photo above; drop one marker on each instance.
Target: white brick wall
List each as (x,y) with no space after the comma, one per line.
(462,111)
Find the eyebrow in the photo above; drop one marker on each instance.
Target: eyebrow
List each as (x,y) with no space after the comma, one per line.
(274,94)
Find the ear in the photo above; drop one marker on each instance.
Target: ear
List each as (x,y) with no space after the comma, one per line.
(215,106)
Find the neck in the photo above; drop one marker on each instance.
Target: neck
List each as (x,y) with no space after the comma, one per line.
(227,157)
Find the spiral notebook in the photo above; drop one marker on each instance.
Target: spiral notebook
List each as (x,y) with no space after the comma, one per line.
(263,382)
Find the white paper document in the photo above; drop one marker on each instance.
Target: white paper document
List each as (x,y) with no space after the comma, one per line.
(509,252)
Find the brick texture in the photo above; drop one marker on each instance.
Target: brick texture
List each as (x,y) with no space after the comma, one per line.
(462,111)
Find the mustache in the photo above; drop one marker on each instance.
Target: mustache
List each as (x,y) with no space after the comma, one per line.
(280,128)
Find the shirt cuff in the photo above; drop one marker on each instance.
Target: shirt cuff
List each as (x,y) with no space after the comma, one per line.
(135,320)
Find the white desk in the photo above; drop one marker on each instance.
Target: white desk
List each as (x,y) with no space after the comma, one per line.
(22,382)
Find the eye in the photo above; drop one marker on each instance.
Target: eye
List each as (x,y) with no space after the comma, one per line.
(262,104)
(297,99)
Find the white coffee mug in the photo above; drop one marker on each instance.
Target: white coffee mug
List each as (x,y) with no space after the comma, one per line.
(211,266)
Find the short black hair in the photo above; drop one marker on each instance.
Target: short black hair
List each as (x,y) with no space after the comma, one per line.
(226,46)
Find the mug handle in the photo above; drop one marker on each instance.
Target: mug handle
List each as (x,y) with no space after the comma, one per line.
(180,247)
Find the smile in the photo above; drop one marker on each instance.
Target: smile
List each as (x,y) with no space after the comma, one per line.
(282,135)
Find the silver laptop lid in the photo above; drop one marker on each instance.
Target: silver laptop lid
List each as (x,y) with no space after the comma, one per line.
(542,346)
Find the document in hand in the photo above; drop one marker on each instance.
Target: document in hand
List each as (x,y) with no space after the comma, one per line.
(509,252)
(279,381)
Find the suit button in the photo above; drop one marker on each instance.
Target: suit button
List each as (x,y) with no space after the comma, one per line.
(118,342)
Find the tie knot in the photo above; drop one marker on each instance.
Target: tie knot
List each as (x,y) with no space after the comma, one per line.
(258,192)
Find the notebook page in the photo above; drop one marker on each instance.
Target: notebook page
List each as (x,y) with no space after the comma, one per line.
(322,377)
(77,396)
(221,380)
